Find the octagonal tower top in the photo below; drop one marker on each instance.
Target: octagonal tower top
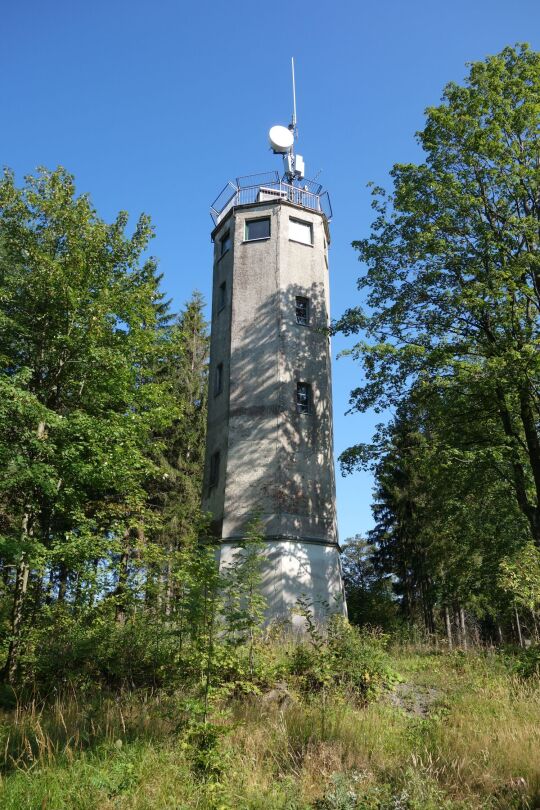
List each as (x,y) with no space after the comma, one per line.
(266,187)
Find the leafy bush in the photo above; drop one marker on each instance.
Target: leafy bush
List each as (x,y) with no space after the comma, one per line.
(66,648)
(341,794)
(527,662)
(348,658)
(360,659)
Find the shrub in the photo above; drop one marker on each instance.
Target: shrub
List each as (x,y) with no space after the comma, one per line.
(360,661)
(527,662)
(348,658)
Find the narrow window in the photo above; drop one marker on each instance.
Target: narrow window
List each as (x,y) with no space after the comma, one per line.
(222,295)
(302,310)
(214,470)
(225,243)
(303,397)
(301,231)
(257,229)
(218,379)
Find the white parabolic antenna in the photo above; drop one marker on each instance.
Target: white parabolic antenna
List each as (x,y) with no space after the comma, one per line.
(281,139)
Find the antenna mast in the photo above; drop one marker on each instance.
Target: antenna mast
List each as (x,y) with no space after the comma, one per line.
(293,122)
(282,142)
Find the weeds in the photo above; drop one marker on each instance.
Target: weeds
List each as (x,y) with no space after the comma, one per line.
(475,747)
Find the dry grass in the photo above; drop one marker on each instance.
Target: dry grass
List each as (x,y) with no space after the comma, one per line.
(39,732)
(476,746)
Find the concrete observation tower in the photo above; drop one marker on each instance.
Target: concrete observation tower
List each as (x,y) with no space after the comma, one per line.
(269,444)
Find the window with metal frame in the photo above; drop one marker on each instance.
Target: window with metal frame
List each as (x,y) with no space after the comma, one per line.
(303,397)
(301,231)
(257,229)
(225,243)
(214,469)
(302,310)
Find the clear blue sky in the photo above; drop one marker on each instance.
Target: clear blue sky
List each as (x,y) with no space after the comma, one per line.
(154,106)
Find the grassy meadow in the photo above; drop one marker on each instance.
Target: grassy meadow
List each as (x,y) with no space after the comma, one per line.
(429,729)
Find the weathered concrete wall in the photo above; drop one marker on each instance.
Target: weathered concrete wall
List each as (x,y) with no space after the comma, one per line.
(274,461)
(297,569)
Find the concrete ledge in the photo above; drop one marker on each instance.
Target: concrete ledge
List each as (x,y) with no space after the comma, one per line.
(273,538)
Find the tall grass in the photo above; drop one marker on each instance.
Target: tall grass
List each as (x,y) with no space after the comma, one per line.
(475,746)
(39,732)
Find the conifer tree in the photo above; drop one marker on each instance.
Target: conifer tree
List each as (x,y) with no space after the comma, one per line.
(178,451)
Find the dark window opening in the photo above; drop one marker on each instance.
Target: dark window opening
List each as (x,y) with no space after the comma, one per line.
(218,380)
(303,397)
(214,470)
(302,310)
(222,295)
(225,243)
(257,229)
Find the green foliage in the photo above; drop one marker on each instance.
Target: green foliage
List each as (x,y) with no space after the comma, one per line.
(370,598)
(526,663)
(341,795)
(244,604)
(360,661)
(520,576)
(103,410)
(472,748)
(204,749)
(346,658)
(449,339)
(138,653)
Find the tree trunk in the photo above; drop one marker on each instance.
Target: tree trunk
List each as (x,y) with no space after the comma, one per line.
(476,633)
(535,626)
(169,584)
(95,566)
(62,582)
(448,625)
(21,587)
(457,625)
(120,592)
(518,627)
(533,448)
(530,511)
(463,627)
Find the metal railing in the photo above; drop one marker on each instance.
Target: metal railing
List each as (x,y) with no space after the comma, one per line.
(267,187)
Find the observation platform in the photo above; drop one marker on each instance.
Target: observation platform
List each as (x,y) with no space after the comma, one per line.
(256,188)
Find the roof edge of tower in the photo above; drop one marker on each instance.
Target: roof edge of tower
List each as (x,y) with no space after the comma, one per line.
(265,204)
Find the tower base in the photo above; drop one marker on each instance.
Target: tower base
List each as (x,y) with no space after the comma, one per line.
(307,569)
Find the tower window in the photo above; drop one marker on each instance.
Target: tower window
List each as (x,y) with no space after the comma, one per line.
(222,295)
(257,229)
(302,310)
(218,379)
(214,469)
(303,397)
(225,243)
(301,231)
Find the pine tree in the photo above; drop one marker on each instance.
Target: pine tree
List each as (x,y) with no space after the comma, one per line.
(178,451)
